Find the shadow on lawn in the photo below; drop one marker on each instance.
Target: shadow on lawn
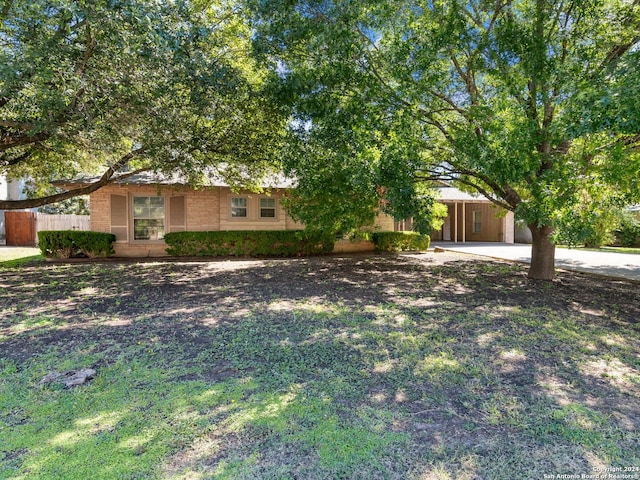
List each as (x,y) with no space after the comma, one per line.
(374,366)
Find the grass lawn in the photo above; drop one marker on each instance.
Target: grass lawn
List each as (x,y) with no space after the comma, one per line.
(605,249)
(619,250)
(14,256)
(430,366)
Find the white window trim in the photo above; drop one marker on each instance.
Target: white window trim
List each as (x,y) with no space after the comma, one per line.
(247,217)
(275,209)
(132,234)
(253,209)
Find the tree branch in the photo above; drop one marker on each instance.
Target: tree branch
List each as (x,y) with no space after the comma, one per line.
(8,141)
(484,192)
(471,87)
(452,177)
(617,51)
(106,178)
(630,141)
(91,45)
(18,125)
(7,4)
(5,161)
(498,193)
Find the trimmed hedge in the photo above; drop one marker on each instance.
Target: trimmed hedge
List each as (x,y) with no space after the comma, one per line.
(272,243)
(400,241)
(75,243)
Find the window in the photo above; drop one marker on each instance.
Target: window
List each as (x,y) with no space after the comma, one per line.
(148,218)
(239,207)
(477,221)
(267,208)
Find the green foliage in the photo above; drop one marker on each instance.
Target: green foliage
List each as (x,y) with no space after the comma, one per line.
(277,243)
(438,213)
(75,243)
(400,241)
(427,215)
(331,195)
(72,206)
(628,231)
(162,86)
(589,225)
(20,261)
(496,97)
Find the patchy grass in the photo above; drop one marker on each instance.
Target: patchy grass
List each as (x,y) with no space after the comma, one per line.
(620,250)
(15,256)
(608,249)
(384,366)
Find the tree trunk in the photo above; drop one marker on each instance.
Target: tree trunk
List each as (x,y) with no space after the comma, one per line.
(543,253)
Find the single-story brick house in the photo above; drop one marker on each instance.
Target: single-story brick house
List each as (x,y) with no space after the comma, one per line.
(140,209)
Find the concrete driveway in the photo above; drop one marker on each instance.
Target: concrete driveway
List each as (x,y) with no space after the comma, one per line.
(622,265)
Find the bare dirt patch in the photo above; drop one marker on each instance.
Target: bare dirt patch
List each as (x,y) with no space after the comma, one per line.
(425,362)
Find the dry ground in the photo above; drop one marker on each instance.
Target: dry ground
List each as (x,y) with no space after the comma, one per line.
(436,365)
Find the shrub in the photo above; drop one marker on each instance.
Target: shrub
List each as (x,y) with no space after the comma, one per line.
(276,243)
(628,232)
(75,243)
(400,241)
(591,227)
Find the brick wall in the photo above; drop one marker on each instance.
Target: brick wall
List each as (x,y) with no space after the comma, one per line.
(353,246)
(202,209)
(100,211)
(384,223)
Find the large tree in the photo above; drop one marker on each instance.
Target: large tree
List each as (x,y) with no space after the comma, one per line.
(529,102)
(111,87)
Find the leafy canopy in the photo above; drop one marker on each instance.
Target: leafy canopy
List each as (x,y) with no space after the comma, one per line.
(94,86)
(525,101)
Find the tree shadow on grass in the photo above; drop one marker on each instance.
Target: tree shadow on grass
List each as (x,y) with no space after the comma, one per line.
(323,367)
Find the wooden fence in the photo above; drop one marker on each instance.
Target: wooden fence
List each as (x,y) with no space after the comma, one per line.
(61,222)
(22,227)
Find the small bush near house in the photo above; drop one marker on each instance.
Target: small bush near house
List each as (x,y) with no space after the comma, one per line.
(400,241)
(75,243)
(276,243)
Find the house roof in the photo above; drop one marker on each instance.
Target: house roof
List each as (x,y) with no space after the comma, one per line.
(452,194)
(212,179)
(445,192)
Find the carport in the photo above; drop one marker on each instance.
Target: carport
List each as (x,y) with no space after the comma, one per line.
(473,218)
